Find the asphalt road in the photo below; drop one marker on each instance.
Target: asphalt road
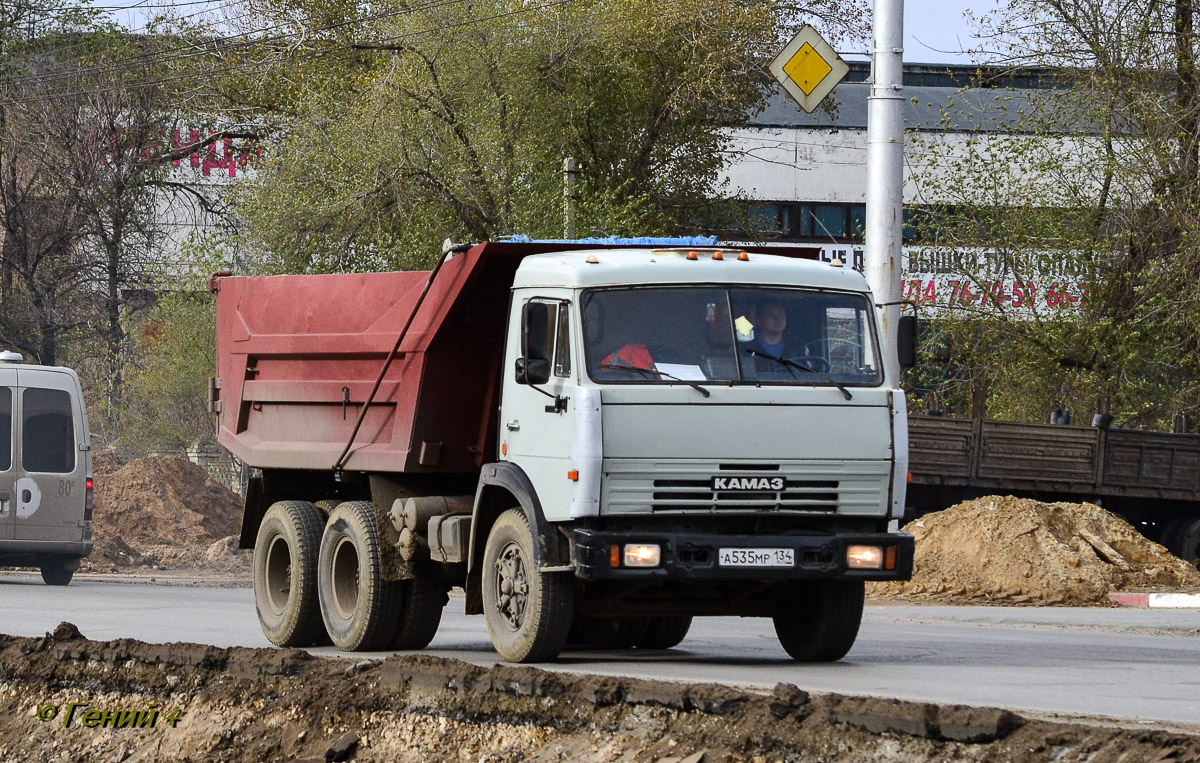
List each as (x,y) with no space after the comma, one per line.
(1136,665)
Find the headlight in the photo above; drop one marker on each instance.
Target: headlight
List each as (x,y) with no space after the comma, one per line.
(642,555)
(864,557)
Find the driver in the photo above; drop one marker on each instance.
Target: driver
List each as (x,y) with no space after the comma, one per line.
(770,337)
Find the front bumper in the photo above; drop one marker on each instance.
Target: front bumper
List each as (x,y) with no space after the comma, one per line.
(688,556)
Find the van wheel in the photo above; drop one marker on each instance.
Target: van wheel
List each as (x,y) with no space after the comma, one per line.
(528,613)
(821,623)
(359,607)
(610,632)
(421,613)
(57,572)
(665,632)
(285,574)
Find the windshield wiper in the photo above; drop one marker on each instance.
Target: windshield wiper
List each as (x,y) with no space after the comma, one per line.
(802,367)
(656,373)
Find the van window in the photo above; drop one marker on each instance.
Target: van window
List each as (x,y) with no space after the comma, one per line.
(48,434)
(6,407)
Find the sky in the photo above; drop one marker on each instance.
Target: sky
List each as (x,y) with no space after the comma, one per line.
(934,30)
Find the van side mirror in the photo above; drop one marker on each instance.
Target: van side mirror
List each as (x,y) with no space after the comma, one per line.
(533,367)
(906,341)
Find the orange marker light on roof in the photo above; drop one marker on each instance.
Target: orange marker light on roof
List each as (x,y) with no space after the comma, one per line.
(693,256)
(743,257)
(718,256)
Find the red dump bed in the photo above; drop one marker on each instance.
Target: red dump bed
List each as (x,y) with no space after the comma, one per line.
(297,357)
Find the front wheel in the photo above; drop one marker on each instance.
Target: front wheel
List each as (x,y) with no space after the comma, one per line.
(528,613)
(819,623)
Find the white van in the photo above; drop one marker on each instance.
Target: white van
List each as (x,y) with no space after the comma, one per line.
(45,470)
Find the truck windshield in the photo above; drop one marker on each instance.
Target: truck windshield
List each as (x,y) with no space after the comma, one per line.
(730,334)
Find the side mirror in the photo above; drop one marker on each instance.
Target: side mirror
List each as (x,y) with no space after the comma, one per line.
(533,367)
(906,341)
(533,370)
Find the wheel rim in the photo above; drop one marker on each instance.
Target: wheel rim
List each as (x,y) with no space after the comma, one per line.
(345,578)
(278,574)
(512,586)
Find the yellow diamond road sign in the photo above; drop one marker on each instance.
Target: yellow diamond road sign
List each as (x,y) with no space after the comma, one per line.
(808,68)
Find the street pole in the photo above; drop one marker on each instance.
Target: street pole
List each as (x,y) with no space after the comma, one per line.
(885,171)
(570,170)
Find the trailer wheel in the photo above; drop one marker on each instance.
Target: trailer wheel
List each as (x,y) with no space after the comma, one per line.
(1187,542)
(528,613)
(608,632)
(665,632)
(285,574)
(821,624)
(420,613)
(1170,533)
(359,607)
(55,571)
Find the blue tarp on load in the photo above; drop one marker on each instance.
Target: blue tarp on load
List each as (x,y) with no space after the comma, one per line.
(615,241)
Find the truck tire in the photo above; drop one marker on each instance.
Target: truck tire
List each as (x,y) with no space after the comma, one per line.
(607,632)
(285,574)
(1170,533)
(665,632)
(326,505)
(420,613)
(528,613)
(1187,542)
(359,607)
(821,624)
(56,572)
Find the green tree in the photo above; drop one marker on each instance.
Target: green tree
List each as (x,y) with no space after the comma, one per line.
(453,119)
(1095,181)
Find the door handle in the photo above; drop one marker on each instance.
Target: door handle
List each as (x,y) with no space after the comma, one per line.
(513,425)
(26,496)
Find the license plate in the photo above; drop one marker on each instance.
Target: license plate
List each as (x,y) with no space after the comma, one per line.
(756,557)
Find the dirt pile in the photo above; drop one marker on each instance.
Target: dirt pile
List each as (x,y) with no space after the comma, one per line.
(1021,551)
(263,704)
(163,513)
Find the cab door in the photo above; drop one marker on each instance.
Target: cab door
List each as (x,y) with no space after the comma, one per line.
(8,471)
(50,488)
(537,423)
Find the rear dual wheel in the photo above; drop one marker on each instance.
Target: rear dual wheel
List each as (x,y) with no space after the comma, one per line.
(285,574)
(359,607)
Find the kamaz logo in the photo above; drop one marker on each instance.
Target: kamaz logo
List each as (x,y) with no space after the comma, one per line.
(747,483)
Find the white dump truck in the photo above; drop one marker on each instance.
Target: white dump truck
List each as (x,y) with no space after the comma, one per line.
(597,442)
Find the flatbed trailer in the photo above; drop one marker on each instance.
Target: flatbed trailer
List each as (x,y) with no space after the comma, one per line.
(1152,479)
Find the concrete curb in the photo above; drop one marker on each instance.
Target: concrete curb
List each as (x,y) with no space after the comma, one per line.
(1157,600)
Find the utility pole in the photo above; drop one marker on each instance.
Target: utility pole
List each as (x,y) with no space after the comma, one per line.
(570,170)
(885,170)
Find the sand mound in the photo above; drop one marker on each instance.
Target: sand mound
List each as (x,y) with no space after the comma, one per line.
(163,513)
(1017,550)
(165,501)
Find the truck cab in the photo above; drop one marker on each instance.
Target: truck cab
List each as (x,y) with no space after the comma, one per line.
(45,470)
